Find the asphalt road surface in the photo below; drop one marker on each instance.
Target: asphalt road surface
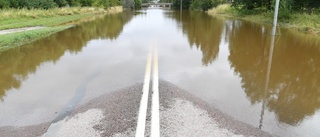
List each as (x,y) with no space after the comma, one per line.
(152,108)
(116,114)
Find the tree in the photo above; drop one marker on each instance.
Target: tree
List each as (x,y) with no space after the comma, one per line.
(185,4)
(61,3)
(73,3)
(4,4)
(129,4)
(86,2)
(307,5)
(203,5)
(137,4)
(287,5)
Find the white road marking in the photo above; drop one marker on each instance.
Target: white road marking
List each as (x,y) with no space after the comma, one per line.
(155,122)
(144,100)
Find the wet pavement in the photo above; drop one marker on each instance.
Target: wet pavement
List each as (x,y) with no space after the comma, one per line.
(228,71)
(19,30)
(181,114)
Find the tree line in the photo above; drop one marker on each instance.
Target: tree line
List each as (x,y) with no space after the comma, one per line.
(245,5)
(286,7)
(300,5)
(203,5)
(47,4)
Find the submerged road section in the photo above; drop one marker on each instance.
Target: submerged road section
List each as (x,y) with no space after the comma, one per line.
(160,72)
(124,113)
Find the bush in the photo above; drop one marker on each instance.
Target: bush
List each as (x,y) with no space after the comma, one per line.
(137,4)
(216,3)
(43,4)
(185,4)
(205,5)
(86,2)
(14,4)
(4,4)
(285,9)
(195,5)
(129,4)
(105,3)
(73,3)
(61,3)
(30,4)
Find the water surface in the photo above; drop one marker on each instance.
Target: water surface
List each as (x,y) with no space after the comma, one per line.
(231,64)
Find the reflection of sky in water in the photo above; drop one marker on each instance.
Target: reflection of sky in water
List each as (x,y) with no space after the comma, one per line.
(203,68)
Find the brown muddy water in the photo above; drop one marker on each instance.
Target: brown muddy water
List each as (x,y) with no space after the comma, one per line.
(234,65)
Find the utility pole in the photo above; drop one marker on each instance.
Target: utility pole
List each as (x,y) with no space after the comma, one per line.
(181,11)
(180,5)
(275,18)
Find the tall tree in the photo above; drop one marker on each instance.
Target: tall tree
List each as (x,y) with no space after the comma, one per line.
(61,3)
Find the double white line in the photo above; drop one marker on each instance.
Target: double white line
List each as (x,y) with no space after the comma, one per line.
(155,122)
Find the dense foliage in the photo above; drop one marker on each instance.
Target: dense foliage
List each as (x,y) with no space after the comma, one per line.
(203,5)
(131,4)
(285,5)
(46,4)
(185,4)
(137,4)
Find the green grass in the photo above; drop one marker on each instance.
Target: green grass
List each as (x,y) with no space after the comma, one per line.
(38,13)
(16,39)
(54,20)
(299,21)
(45,21)
(18,18)
(307,23)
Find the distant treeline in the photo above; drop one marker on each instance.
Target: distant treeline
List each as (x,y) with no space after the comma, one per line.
(267,5)
(289,5)
(203,5)
(46,4)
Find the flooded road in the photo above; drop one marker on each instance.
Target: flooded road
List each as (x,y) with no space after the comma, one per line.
(233,65)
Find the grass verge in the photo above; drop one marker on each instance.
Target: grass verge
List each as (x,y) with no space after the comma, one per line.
(16,39)
(301,22)
(54,20)
(18,18)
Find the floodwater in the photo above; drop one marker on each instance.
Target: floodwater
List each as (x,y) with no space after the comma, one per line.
(271,83)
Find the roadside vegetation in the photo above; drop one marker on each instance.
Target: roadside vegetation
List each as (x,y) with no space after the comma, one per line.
(48,4)
(18,18)
(302,15)
(52,20)
(52,15)
(12,40)
(301,21)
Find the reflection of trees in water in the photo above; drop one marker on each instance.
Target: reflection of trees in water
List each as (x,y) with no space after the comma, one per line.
(203,31)
(108,27)
(296,73)
(16,64)
(293,89)
(249,57)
